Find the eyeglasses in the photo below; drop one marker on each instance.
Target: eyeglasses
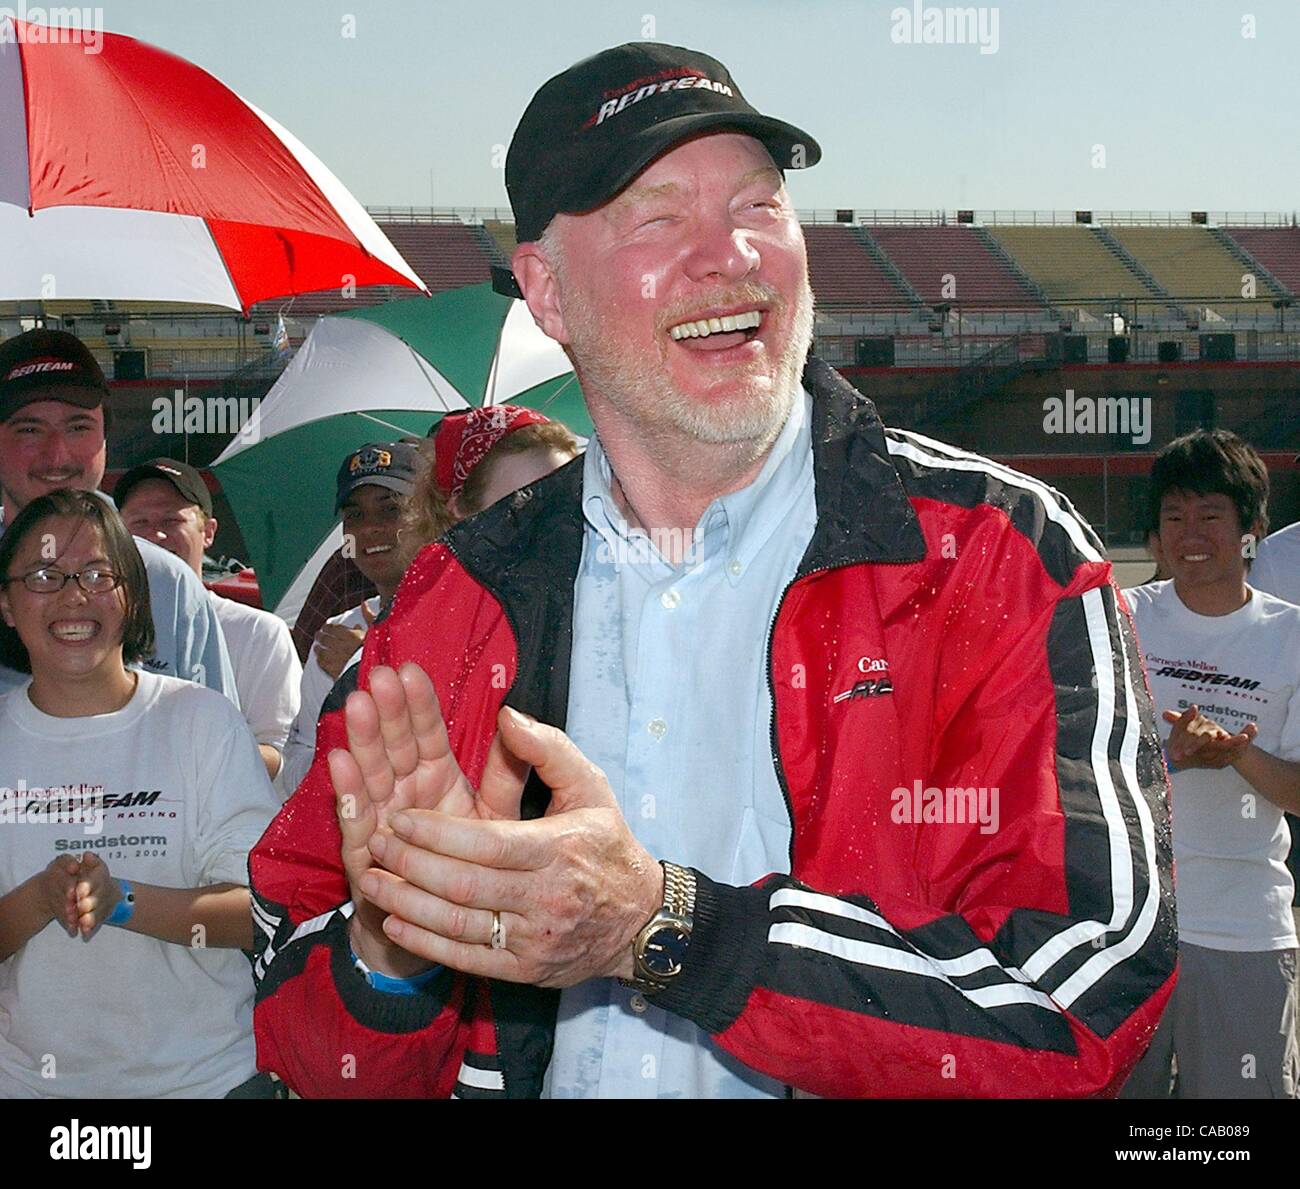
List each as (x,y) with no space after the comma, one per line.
(92,580)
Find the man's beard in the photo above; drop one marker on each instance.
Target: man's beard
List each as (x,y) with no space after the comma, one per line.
(636,384)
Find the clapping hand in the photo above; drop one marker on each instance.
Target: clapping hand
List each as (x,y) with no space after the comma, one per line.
(59,890)
(1199,742)
(463,882)
(97,894)
(399,757)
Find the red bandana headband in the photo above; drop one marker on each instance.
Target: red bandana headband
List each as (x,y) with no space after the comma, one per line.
(463,439)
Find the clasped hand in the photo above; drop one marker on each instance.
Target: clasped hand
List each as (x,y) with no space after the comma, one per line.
(1199,742)
(79,894)
(430,859)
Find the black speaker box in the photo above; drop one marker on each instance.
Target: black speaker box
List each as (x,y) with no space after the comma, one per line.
(874,352)
(128,365)
(1218,348)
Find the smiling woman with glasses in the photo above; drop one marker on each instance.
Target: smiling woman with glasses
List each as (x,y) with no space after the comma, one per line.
(128,803)
(48,580)
(34,573)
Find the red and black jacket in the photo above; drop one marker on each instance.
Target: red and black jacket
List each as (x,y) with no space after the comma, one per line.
(914,951)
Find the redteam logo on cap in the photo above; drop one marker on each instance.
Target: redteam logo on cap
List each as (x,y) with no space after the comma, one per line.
(683,77)
(35,366)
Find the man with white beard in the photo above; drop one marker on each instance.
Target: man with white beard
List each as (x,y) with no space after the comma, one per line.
(721,641)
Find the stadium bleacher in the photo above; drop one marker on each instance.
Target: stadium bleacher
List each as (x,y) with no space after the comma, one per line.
(1276,248)
(843,274)
(1073,266)
(878,272)
(1189,262)
(503,235)
(946,263)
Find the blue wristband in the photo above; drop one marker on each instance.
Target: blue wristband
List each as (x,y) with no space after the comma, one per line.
(390,985)
(125,907)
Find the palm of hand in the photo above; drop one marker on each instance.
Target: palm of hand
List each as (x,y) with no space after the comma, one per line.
(399,757)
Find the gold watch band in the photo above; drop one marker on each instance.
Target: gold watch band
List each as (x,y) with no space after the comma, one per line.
(679,889)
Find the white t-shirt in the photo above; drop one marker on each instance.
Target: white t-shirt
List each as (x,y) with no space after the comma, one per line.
(316,685)
(267,670)
(184,798)
(1230,842)
(1277,564)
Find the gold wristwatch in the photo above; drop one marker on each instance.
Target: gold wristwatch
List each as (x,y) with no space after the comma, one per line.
(660,948)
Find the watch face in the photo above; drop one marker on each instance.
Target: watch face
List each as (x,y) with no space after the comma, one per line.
(665,949)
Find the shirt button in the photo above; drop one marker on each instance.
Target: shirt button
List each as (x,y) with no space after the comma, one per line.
(657,727)
(733,568)
(638,1003)
(670,599)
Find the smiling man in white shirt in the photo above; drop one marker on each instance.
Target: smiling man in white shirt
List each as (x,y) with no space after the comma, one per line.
(1223,662)
(167,503)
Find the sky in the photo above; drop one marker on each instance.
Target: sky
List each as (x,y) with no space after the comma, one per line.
(1105,105)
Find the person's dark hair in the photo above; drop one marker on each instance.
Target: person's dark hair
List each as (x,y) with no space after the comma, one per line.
(123,557)
(1212,462)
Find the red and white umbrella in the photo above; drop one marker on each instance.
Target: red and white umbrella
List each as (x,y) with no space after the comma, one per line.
(132,174)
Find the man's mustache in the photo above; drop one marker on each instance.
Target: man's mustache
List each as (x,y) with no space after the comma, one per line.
(748,294)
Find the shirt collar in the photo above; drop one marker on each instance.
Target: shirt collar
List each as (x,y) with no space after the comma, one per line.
(739,523)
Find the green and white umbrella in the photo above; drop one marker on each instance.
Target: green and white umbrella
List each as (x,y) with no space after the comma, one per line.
(376,375)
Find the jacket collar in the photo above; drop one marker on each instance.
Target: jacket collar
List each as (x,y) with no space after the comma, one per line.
(526,550)
(863,513)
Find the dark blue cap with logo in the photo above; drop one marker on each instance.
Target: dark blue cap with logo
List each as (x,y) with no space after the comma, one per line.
(394,465)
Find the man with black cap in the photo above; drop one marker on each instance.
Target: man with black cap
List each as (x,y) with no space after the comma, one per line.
(167,502)
(795,642)
(53,421)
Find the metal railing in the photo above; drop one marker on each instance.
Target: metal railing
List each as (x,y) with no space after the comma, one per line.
(194,363)
(917,349)
(895,216)
(440,214)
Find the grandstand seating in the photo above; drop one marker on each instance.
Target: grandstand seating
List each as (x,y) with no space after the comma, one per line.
(870,279)
(1188,261)
(1276,248)
(926,254)
(843,275)
(503,235)
(1072,265)
(443,255)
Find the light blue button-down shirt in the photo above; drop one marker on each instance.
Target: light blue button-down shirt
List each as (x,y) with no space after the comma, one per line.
(669,694)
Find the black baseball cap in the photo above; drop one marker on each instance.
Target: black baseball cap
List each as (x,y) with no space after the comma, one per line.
(386,464)
(180,475)
(590,130)
(48,365)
